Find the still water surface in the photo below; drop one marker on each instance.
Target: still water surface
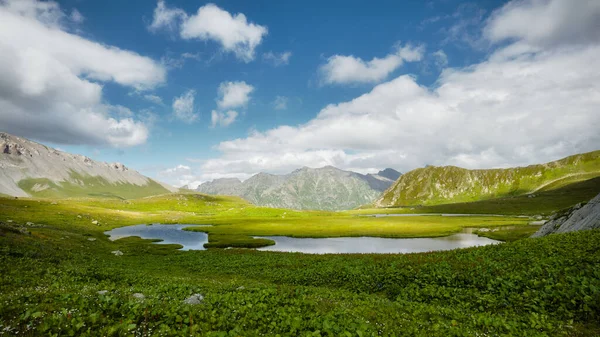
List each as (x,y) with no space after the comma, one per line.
(376,245)
(195,241)
(168,233)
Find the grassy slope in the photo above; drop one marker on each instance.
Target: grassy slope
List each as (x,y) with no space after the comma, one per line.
(442,185)
(90,187)
(545,202)
(50,278)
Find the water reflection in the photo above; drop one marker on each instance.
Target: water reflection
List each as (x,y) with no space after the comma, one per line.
(168,233)
(375,245)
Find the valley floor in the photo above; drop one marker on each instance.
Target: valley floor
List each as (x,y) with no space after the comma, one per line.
(58,275)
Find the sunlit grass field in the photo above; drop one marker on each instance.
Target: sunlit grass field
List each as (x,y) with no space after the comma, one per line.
(59,276)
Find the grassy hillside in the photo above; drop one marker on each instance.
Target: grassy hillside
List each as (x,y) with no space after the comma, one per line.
(80,185)
(449,184)
(54,280)
(543,202)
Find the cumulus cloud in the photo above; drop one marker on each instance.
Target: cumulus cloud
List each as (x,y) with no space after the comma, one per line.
(340,69)
(51,80)
(223,118)
(233,32)
(546,23)
(183,107)
(179,176)
(522,105)
(277,59)
(234,94)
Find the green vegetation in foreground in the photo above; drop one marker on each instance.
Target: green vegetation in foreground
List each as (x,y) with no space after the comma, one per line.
(543,203)
(509,234)
(55,281)
(88,186)
(449,184)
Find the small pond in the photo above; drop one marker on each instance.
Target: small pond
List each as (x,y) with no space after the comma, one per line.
(168,233)
(376,245)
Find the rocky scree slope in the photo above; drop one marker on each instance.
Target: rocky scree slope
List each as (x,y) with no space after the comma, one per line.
(435,185)
(326,188)
(577,218)
(28,169)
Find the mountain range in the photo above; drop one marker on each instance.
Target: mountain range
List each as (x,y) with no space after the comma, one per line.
(28,168)
(326,188)
(435,185)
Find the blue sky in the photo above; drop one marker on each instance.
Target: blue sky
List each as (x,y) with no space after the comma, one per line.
(188,91)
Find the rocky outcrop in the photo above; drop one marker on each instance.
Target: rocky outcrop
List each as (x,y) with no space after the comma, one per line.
(577,218)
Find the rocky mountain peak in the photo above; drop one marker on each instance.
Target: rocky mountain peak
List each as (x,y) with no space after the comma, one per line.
(119,166)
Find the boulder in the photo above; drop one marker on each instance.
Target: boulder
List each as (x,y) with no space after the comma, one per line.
(194,299)
(577,218)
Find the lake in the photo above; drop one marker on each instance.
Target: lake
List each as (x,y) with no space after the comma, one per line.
(173,234)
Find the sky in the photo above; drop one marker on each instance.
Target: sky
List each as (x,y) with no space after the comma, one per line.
(190,91)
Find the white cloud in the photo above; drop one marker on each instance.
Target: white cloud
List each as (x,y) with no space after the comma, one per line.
(341,69)
(223,118)
(49,78)
(277,59)
(179,176)
(440,59)
(76,16)
(154,99)
(166,18)
(280,103)
(183,107)
(522,105)
(233,32)
(546,22)
(234,94)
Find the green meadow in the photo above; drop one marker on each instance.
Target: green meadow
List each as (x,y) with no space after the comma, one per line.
(60,277)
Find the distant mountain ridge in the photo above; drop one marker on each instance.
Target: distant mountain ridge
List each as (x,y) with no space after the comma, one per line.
(326,188)
(434,185)
(28,168)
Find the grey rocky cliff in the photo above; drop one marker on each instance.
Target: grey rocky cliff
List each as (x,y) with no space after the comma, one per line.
(22,159)
(577,218)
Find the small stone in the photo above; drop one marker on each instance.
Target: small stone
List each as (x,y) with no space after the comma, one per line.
(139,296)
(117,252)
(91,239)
(54,203)
(79,216)
(538,217)
(29,224)
(9,221)
(95,222)
(483,230)
(103,292)
(194,299)
(241,288)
